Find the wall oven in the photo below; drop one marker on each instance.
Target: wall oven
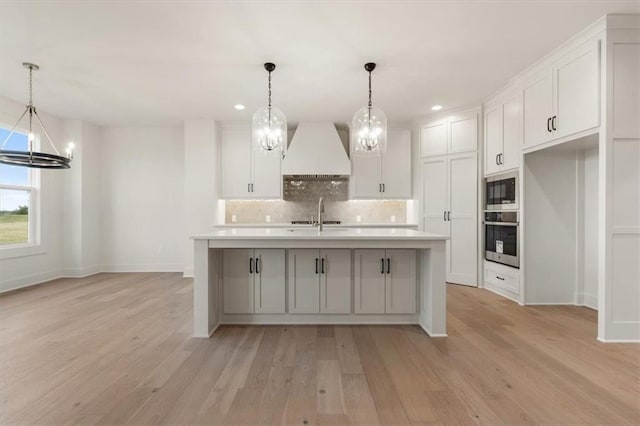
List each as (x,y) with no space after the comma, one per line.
(501,237)
(501,192)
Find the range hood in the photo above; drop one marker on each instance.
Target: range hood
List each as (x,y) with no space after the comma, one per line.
(316,150)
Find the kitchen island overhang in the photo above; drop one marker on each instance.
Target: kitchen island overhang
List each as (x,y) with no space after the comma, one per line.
(430,273)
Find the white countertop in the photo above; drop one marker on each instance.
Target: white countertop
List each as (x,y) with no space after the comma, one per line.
(341,225)
(304,233)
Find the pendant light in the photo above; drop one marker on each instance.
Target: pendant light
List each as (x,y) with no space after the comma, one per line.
(369,125)
(31,158)
(269,128)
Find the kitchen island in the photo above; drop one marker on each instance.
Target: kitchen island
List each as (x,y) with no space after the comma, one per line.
(304,276)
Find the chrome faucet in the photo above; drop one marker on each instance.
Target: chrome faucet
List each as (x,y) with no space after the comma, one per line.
(320,213)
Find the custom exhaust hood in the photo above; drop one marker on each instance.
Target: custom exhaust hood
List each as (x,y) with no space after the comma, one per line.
(316,151)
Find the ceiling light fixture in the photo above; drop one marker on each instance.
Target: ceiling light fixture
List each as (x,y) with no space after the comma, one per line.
(31,158)
(239,107)
(436,107)
(269,126)
(369,124)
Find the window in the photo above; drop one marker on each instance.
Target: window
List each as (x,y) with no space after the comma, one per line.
(18,197)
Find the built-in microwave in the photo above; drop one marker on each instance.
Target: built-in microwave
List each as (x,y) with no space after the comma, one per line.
(501,192)
(501,237)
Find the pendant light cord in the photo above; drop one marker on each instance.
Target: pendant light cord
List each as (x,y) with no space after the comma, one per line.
(269,106)
(370,105)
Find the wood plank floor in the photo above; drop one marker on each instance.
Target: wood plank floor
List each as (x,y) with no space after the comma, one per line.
(116,348)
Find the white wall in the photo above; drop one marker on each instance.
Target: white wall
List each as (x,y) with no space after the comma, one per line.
(142,199)
(20,271)
(201,162)
(550,227)
(588,287)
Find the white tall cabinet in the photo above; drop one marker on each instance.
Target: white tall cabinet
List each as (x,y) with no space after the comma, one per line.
(246,173)
(450,190)
(384,176)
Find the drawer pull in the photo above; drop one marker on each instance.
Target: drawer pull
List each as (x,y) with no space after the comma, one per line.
(500,278)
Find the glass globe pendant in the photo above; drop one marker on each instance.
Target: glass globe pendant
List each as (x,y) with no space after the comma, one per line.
(369,125)
(269,126)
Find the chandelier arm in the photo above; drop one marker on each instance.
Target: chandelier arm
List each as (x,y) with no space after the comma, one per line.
(44,129)
(13,130)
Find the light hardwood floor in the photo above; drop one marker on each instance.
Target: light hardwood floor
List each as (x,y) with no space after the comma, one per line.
(116,348)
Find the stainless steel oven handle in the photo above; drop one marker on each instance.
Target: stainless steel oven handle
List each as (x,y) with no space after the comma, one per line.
(502,223)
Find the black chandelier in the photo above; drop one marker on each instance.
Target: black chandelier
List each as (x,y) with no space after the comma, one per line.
(31,158)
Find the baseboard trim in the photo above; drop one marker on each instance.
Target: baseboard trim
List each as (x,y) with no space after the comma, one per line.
(81,272)
(618,340)
(587,300)
(29,280)
(503,293)
(143,267)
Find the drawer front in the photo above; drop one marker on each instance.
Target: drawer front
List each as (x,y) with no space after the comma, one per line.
(502,278)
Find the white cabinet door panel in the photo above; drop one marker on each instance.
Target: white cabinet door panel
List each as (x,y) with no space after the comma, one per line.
(463,133)
(369,281)
(435,195)
(577,77)
(433,139)
(462,262)
(238,296)
(335,281)
(267,177)
(401,282)
(493,138)
(304,281)
(396,165)
(269,281)
(366,178)
(235,167)
(511,133)
(538,110)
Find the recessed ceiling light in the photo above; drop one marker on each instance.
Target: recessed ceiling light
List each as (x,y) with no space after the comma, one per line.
(436,107)
(239,107)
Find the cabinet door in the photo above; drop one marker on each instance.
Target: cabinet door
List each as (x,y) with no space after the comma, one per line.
(435,195)
(369,281)
(304,281)
(538,109)
(401,282)
(235,163)
(366,177)
(269,281)
(237,278)
(512,133)
(463,133)
(335,281)
(493,138)
(433,139)
(267,176)
(462,247)
(396,165)
(577,78)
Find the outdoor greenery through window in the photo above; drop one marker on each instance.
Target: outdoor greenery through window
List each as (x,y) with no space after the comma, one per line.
(17,194)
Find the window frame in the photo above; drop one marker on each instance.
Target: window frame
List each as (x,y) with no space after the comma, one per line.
(34,244)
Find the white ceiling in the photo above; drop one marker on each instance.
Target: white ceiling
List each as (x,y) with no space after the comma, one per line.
(158,63)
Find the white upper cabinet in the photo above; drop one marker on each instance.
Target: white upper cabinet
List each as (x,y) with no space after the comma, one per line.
(396,165)
(537,96)
(493,137)
(246,173)
(235,164)
(577,79)
(433,138)
(454,134)
(503,134)
(563,99)
(366,176)
(384,176)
